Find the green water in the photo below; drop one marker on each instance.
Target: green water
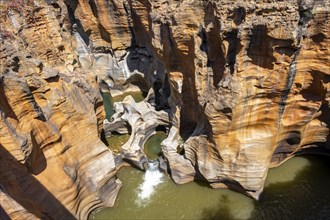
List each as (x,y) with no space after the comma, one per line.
(152,147)
(108,101)
(298,189)
(115,141)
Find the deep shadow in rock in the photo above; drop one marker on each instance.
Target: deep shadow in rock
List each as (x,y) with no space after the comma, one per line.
(37,161)
(317,90)
(24,188)
(71,7)
(325,117)
(3,214)
(6,109)
(260,50)
(318,38)
(212,44)
(103,138)
(233,49)
(239,15)
(262,46)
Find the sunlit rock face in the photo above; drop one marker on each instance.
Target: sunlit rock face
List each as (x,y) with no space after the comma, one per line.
(247,83)
(52,163)
(245,86)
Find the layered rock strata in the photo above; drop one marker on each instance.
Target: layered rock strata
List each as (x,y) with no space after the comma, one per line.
(52,163)
(245,86)
(246,82)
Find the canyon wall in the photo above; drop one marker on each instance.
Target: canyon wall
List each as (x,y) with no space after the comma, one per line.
(246,86)
(53,164)
(247,83)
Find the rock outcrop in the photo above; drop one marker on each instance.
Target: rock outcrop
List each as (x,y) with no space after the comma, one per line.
(246,82)
(52,163)
(138,119)
(245,86)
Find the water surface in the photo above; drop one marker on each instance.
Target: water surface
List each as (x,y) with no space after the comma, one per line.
(298,189)
(152,147)
(115,141)
(108,101)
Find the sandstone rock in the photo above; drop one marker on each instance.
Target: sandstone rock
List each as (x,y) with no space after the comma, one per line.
(231,75)
(140,120)
(51,119)
(182,171)
(55,163)
(245,86)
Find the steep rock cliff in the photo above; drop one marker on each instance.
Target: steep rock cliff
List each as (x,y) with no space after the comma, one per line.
(245,84)
(52,163)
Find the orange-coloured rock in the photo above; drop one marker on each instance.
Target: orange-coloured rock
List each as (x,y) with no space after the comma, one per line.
(53,164)
(245,84)
(244,88)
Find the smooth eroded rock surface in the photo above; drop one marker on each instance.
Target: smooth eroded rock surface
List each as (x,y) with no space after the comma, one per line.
(53,164)
(241,87)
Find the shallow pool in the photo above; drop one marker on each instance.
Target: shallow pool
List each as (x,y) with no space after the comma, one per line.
(108,101)
(115,141)
(152,147)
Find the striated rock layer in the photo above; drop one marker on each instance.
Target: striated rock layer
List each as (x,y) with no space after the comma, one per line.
(52,163)
(247,83)
(245,86)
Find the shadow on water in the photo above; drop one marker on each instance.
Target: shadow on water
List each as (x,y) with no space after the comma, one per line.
(221,213)
(3,214)
(152,146)
(307,196)
(24,188)
(203,183)
(108,105)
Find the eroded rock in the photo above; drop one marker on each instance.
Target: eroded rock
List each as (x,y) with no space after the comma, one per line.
(247,85)
(51,119)
(140,120)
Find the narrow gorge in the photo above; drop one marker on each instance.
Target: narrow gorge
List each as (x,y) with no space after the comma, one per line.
(107,103)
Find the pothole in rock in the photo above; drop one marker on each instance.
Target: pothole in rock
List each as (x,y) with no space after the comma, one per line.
(116,140)
(152,147)
(109,100)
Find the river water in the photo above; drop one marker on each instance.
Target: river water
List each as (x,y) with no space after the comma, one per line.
(298,189)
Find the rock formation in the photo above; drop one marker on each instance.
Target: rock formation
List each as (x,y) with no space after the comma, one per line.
(138,119)
(245,86)
(52,163)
